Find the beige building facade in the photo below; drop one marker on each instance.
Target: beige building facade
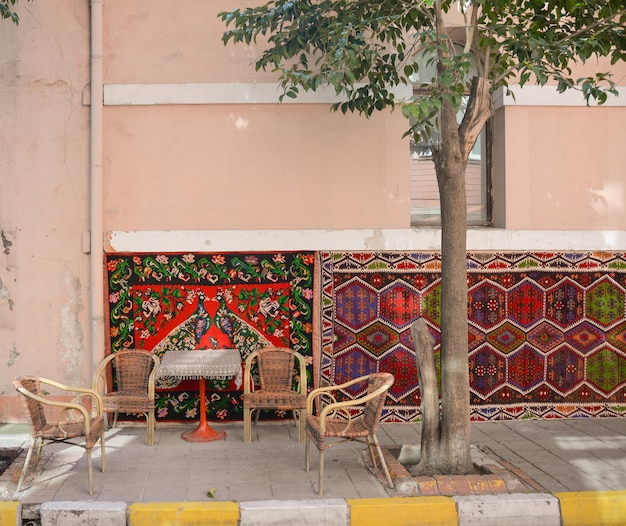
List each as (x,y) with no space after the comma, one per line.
(129,127)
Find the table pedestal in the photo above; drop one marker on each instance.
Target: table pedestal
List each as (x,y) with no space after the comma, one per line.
(203,432)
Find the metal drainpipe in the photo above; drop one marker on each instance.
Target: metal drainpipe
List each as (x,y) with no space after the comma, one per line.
(96,198)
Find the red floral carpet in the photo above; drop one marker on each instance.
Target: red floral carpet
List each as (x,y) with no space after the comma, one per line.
(546,332)
(162,302)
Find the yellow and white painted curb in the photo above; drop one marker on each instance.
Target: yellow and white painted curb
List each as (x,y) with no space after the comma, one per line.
(592,508)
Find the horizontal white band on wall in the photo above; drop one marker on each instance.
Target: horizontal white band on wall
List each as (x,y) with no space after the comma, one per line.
(491,239)
(268,93)
(217,93)
(532,95)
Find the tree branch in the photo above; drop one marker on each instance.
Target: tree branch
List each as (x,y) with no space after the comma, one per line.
(479,110)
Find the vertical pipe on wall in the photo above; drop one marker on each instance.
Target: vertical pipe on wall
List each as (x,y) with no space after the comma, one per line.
(95,169)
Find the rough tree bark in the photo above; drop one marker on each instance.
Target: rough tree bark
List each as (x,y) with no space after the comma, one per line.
(427,375)
(445,447)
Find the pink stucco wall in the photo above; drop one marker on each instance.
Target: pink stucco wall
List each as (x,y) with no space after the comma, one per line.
(217,166)
(261,166)
(338,162)
(44,196)
(565,168)
(150,42)
(265,166)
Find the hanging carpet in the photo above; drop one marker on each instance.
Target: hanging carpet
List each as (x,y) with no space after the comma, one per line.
(546,331)
(172,302)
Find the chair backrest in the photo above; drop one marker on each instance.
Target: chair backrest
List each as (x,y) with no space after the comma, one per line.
(374,407)
(30,385)
(276,368)
(132,369)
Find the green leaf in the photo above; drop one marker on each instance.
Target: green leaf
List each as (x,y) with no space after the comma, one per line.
(379,44)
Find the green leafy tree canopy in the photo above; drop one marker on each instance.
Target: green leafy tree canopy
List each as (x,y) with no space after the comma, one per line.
(363,48)
(6,10)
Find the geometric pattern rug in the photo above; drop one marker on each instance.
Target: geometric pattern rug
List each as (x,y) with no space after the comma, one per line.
(185,301)
(546,331)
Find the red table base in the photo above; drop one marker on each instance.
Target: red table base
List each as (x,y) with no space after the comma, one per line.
(203,432)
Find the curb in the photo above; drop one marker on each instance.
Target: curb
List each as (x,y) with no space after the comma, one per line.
(403,511)
(182,513)
(10,513)
(513,509)
(599,507)
(593,508)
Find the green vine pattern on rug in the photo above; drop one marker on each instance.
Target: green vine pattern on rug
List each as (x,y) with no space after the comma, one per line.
(159,302)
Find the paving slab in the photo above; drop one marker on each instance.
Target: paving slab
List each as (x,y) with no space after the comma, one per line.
(575,459)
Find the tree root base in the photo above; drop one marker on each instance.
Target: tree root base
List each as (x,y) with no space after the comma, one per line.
(410,455)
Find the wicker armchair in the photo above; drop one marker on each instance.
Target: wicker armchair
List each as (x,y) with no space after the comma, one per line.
(335,420)
(74,420)
(133,389)
(276,370)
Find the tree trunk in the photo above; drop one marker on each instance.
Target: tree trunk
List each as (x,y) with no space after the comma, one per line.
(455,423)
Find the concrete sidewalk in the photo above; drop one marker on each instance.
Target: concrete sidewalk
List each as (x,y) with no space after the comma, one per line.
(544,465)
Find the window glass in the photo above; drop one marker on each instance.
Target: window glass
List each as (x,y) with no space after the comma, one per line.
(425,207)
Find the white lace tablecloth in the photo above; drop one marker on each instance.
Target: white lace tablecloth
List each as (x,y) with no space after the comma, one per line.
(193,365)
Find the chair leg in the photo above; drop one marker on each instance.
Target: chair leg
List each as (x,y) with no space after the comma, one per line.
(307,449)
(102,452)
(150,424)
(90,471)
(26,464)
(301,425)
(38,454)
(372,451)
(115,419)
(382,462)
(320,484)
(247,424)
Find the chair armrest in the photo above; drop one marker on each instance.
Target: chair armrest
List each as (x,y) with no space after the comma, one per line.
(100,376)
(302,368)
(83,390)
(153,375)
(248,382)
(71,406)
(326,389)
(338,406)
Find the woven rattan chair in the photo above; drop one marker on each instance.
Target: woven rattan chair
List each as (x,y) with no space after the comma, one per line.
(73,420)
(335,423)
(276,373)
(132,391)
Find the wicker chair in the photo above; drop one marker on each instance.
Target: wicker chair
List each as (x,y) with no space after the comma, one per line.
(330,425)
(276,369)
(74,420)
(133,389)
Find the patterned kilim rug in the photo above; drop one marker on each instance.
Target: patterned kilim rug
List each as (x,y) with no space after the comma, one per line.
(546,332)
(162,302)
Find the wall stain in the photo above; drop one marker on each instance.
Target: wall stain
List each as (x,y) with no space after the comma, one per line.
(5,295)
(13,354)
(376,241)
(6,243)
